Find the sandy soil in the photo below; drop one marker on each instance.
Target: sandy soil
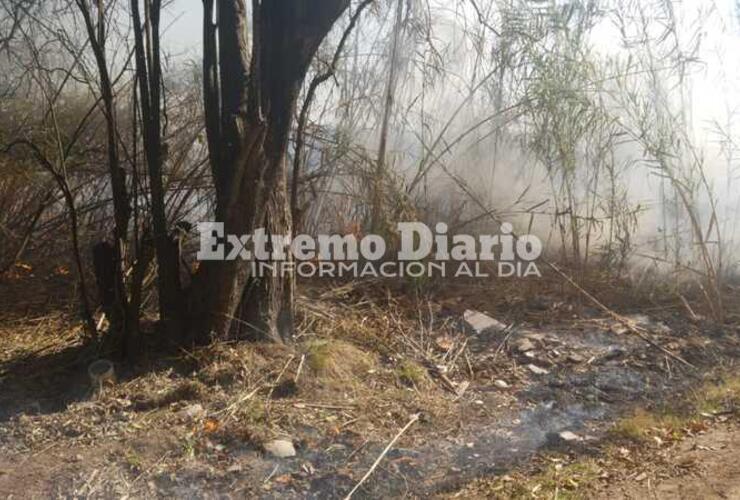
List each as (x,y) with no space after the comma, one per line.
(703,467)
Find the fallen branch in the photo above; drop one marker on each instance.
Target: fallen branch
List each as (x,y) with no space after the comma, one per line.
(691,312)
(632,327)
(300,367)
(643,334)
(322,406)
(406,427)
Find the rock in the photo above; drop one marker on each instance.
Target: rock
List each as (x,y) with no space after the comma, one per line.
(576,358)
(280,448)
(537,370)
(532,335)
(569,436)
(480,323)
(524,345)
(501,384)
(192,411)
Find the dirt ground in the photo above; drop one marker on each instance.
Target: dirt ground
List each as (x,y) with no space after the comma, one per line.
(706,466)
(494,408)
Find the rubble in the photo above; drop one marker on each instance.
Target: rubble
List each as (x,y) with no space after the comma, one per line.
(524,345)
(480,323)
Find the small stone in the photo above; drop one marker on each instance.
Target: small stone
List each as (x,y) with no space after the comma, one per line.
(569,436)
(280,448)
(537,370)
(576,358)
(501,384)
(482,323)
(531,335)
(524,345)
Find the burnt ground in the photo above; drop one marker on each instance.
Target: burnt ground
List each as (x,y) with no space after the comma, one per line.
(194,424)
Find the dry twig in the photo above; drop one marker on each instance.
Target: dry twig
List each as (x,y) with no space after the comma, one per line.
(406,427)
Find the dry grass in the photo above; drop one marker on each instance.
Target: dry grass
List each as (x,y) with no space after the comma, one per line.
(721,397)
(643,425)
(558,481)
(711,398)
(338,360)
(188,390)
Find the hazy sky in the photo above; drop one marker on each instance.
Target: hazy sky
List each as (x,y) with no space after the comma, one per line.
(183,22)
(714,84)
(715,81)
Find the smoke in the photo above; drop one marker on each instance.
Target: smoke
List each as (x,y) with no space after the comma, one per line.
(613,120)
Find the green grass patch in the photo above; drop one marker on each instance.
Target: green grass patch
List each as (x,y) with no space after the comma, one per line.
(716,398)
(411,373)
(643,425)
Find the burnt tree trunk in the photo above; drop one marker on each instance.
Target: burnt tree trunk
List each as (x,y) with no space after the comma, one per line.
(96,33)
(250,103)
(149,78)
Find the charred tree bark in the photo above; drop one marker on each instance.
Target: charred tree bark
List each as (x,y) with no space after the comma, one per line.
(380,167)
(250,103)
(96,33)
(149,78)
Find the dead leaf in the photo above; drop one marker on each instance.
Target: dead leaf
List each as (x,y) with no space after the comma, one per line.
(444,344)
(211,425)
(284,479)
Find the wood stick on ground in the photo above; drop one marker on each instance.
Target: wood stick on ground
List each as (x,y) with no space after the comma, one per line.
(276,382)
(621,319)
(406,427)
(300,367)
(323,406)
(686,304)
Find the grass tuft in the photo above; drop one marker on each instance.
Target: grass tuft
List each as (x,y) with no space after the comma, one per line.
(411,373)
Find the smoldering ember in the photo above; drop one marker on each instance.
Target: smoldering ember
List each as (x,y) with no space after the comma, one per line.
(370,249)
